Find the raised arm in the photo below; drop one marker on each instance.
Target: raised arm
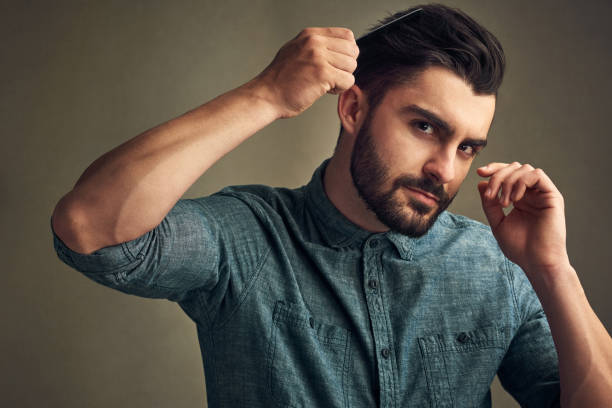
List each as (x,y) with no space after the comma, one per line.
(532,235)
(129,190)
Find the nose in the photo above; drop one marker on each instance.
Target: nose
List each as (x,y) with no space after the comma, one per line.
(441,166)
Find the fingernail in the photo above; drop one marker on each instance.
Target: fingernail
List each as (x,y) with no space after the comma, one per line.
(488,192)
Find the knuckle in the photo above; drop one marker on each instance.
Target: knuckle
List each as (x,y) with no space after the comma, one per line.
(527,166)
(515,164)
(307,31)
(350,81)
(311,40)
(539,171)
(303,33)
(316,56)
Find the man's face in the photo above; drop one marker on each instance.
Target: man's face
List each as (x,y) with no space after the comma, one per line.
(413,152)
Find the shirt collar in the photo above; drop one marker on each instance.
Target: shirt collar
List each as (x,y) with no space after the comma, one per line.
(337,230)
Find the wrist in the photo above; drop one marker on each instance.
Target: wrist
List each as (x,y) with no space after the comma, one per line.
(261,93)
(547,279)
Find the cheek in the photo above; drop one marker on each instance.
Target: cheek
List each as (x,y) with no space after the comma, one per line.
(408,154)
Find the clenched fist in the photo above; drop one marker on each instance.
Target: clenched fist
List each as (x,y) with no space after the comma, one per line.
(317,61)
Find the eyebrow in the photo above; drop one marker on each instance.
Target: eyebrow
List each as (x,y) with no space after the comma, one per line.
(441,124)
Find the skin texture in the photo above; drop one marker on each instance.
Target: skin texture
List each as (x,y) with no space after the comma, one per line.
(369,172)
(409,150)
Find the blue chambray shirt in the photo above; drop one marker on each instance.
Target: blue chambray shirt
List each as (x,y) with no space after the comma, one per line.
(295,306)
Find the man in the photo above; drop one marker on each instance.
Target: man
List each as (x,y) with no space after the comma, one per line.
(358,289)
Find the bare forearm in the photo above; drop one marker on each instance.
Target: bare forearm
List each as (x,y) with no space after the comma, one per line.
(127,191)
(583,344)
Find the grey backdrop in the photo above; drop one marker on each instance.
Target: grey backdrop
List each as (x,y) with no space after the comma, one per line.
(79,78)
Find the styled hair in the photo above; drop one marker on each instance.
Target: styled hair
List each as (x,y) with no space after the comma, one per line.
(436,35)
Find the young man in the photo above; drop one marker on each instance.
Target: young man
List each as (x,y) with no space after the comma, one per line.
(358,289)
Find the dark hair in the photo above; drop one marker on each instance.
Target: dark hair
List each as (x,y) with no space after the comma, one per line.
(436,35)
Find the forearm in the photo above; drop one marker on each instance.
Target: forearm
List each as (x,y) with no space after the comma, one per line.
(583,345)
(128,191)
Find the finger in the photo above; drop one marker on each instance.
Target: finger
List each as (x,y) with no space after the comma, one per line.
(486,171)
(537,179)
(342,82)
(346,47)
(497,178)
(342,61)
(513,183)
(518,191)
(337,32)
(492,208)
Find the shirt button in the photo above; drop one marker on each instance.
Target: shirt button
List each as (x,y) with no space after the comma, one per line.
(463,337)
(311,321)
(373,283)
(385,352)
(374,243)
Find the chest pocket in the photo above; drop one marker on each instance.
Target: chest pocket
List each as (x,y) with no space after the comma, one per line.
(308,360)
(460,366)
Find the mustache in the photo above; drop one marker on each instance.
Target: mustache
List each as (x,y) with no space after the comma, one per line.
(425,184)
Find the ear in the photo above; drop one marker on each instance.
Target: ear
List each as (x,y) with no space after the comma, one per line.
(352,109)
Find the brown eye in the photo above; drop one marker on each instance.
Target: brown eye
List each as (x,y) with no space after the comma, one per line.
(470,150)
(425,127)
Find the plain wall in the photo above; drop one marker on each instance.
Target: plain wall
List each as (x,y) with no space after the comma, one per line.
(79,78)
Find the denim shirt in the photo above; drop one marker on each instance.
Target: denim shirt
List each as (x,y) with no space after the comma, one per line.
(295,306)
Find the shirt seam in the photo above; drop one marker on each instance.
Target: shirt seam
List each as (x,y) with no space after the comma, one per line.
(512,288)
(245,292)
(213,222)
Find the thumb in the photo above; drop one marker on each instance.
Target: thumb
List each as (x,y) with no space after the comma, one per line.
(492,208)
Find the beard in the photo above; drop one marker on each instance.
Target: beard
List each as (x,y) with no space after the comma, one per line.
(369,173)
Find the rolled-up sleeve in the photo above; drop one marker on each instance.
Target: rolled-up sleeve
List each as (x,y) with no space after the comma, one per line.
(177,256)
(530,369)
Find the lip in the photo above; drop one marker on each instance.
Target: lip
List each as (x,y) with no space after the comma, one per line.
(424,196)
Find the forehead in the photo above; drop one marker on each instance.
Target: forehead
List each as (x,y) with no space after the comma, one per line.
(445,94)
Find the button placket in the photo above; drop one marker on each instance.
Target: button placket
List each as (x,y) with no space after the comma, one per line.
(373,271)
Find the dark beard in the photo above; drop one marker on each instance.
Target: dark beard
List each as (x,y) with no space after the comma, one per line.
(369,173)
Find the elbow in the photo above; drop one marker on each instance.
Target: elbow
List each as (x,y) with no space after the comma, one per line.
(70,224)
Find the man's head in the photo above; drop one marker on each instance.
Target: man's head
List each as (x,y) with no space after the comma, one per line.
(420,110)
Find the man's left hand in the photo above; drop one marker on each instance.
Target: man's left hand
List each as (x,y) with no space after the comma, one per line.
(532,234)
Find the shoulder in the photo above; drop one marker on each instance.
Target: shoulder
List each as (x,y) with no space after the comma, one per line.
(260,195)
(460,222)
(242,202)
(450,226)
(465,243)
(473,239)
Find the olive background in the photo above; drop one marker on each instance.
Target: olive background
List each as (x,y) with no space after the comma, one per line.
(81,77)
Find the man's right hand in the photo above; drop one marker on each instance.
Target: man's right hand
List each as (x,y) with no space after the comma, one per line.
(129,190)
(317,61)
